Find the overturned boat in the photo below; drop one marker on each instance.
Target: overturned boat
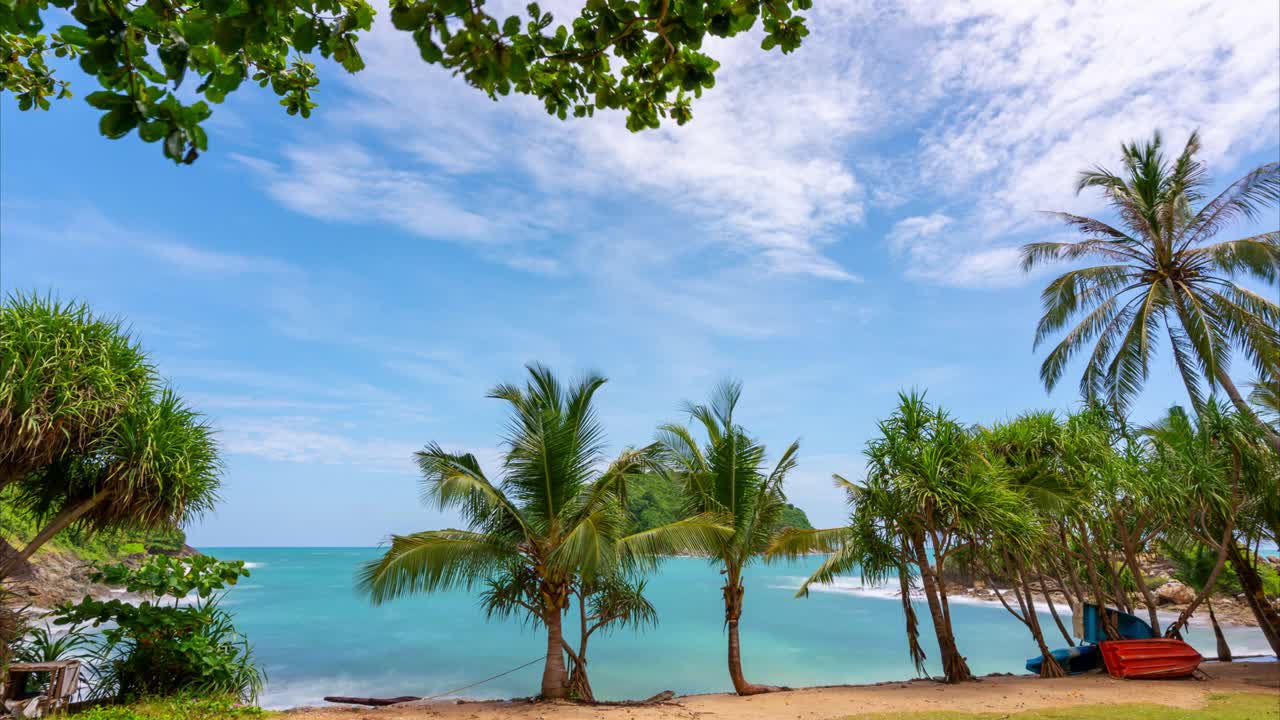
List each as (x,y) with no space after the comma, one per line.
(1155,658)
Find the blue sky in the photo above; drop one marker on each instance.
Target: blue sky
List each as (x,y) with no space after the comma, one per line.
(835,225)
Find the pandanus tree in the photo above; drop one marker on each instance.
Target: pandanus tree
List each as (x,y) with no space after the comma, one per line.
(727,476)
(89,436)
(1228,480)
(1028,451)
(927,496)
(556,516)
(1164,273)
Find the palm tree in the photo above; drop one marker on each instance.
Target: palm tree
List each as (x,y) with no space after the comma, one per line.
(1265,397)
(555,515)
(727,478)
(927,496)
(1163,275)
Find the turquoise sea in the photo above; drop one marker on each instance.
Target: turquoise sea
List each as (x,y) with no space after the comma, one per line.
(316,636)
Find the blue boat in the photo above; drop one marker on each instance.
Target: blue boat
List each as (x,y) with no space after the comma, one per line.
(1130,627)
(1088,627)
(1074,660)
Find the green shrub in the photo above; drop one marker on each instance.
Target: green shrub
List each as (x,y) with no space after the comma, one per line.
(163,648)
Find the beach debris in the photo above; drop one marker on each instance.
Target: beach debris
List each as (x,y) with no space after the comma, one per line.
(371,701)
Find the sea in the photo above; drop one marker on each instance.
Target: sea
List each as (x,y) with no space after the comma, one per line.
(315,635)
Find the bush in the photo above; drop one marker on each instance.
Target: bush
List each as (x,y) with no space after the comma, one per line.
(163,647)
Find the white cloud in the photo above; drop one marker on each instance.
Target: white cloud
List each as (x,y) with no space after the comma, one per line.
(302,439)
(981,112)
(1030,93)
(760,171)
(88,226)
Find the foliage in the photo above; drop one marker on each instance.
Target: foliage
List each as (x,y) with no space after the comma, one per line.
(727,477)
(161,647)
(180,707)
(94,548)
(555,520)
(91,439)
(654,500)
(644,57)
(64,375)
(1164,275)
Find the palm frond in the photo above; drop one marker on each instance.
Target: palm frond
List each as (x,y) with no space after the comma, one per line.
(1245,198)
(431,561)
(703,535)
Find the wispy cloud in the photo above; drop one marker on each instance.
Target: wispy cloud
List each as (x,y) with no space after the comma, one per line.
(305,439)
(88,226)
(1028,93)
(762,171)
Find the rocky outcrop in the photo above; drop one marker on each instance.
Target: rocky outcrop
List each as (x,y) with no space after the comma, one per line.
(1174,593)
(54,577)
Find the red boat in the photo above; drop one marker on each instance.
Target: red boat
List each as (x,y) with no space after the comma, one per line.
(1149,659)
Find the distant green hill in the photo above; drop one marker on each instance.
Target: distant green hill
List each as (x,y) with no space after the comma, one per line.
(653,501)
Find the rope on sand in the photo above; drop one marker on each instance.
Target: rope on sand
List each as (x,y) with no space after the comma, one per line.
(540,658)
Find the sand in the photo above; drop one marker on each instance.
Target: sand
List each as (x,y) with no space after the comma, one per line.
(991,694)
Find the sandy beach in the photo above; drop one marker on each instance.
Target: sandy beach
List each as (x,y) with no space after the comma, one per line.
(991,694)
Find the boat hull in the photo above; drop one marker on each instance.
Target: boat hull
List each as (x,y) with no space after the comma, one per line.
(1074,660)
(1149,659)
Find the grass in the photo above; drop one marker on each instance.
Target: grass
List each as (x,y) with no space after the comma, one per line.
(176,708)
(1236,706)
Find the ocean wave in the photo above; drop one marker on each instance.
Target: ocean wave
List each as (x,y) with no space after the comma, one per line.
(254,565)
(854,585)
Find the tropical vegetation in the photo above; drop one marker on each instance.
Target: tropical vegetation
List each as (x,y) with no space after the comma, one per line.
(646,58)
(1044,504)
(175,641)
(1165,273)
(552,528)
(90,437)
(727,476)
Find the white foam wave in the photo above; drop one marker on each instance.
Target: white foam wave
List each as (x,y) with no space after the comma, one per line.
(854,585)
(254,565)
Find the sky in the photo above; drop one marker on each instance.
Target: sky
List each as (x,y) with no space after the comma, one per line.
(833,226)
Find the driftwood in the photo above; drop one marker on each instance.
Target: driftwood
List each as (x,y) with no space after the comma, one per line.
(376,702)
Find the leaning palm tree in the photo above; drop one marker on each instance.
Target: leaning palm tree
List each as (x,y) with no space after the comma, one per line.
(727,477)
(556,515)
(1163,274)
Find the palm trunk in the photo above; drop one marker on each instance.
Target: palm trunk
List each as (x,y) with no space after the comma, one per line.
(733,591)
(1207,589)
(1053,610)
(1095,581)
(1131,559)
(555,677)
(1266,615)
(1243,407)
(1224,650)
(954,667)
(64,519)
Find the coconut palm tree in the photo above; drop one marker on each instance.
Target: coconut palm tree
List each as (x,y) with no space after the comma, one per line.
(1163,274)
(727,477)
(1265,397)
(557,513)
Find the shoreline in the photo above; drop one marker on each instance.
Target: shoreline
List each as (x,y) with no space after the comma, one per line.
(992,693)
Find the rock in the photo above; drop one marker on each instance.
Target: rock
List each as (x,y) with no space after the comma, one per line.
(1174,593)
